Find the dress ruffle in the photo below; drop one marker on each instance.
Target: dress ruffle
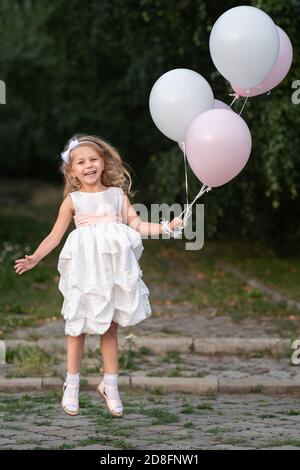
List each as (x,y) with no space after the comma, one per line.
(101,280)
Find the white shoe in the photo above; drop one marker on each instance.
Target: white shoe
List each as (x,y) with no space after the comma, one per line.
(70,399)
(113,401)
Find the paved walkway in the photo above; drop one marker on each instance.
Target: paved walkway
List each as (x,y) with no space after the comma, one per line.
(151,421)
(191,401)
(190,363)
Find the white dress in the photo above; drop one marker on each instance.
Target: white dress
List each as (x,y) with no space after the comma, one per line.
(100,276)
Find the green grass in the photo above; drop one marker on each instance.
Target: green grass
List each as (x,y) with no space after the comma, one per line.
(160,415)
(42,423)
(175,372)
(93,440)
(65,447)
(24,404)
(121,444)
(131,359)
(170,331)
(201,284)
(255,260)
(219,430)
(187,409)
(158,391)
(123,432)
(30,298)
(284,442)
(30,361)
(205,406)
(233,441)
(118,443)
(189,425)
(85,402)
(171,356)
(199,374)
(193,410)
(293,412)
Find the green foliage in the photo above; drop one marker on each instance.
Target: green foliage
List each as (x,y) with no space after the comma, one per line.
(74,67)
(29,360)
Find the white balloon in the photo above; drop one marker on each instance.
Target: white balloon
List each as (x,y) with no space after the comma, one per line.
(244,45)
(180,144)
(176,99)
(221,105)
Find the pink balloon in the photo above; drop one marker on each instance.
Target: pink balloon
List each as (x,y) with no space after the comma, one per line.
(218,145)
(279,71)
(218,104)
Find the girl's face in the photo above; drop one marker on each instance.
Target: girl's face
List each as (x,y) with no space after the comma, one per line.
(87,165)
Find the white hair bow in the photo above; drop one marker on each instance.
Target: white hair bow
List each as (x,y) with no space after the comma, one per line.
(73,143)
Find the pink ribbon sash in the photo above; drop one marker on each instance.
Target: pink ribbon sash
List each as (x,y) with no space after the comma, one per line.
(90,219)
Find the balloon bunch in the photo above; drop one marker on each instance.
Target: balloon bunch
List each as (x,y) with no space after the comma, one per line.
(254,55)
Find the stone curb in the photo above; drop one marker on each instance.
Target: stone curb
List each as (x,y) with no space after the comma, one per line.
(210,384)
(203,385)
(204,346)
(21,384)
(2,352)
(259,384)
(241,345)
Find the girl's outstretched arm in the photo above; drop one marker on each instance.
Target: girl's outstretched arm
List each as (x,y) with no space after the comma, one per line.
(132,219)
(51,241)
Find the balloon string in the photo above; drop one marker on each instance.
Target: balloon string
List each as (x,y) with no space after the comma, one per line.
(187,210)
(185,173)
(243,105)
(236,96)
(177,232)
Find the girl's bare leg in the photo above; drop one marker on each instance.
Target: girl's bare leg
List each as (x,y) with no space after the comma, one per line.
(109,386)
(74,353)
(109,349)
(70,400)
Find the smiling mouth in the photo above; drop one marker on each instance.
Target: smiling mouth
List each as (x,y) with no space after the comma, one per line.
(90,173)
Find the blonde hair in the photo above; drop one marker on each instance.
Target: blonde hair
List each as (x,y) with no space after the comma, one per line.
(114,173)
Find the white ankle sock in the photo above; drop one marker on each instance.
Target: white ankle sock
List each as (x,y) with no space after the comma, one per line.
(73,379)
(71,391)
(111,380)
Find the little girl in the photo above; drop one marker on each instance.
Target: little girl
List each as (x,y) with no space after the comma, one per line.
(100,276)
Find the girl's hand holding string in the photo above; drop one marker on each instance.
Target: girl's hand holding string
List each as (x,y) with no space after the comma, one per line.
(177,222)
(24,264)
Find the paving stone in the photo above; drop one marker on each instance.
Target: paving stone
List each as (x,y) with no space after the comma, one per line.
(95,447)
(280,448)
(6,442)
(232,429)
(231,447)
